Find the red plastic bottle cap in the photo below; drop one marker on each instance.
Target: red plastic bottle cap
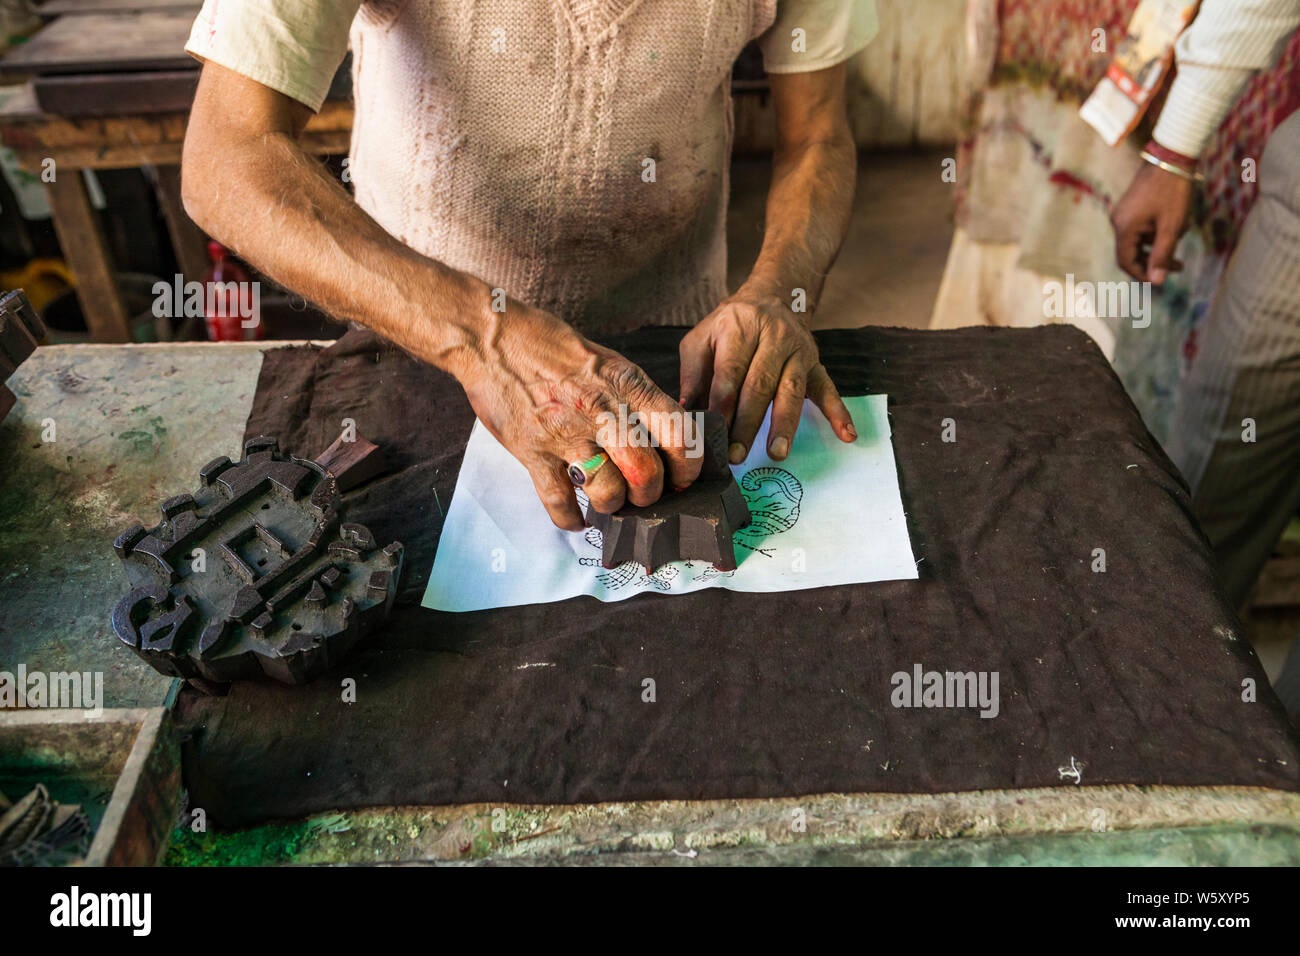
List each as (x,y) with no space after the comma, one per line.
(216,251)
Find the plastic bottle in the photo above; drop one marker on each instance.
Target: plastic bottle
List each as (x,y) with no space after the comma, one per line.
(232,303)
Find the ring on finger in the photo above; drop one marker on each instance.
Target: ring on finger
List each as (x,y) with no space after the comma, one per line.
(581,472)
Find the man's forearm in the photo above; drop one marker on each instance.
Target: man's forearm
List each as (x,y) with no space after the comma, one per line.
(808,210)
(280,210)
(756,349)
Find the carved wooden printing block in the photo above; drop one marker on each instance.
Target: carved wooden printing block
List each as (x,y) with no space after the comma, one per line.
(694,524)
(285,586)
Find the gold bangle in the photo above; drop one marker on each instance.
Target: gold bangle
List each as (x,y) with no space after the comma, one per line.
(1171,168)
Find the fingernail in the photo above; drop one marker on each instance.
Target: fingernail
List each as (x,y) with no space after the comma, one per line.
(736,453)
(780,448)
(1158,276)
(851,431)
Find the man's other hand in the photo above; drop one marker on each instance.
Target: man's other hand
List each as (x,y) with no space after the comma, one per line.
(752,351)
(1149,219)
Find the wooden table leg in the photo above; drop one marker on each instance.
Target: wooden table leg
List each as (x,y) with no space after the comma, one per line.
(188,241)
(88,257)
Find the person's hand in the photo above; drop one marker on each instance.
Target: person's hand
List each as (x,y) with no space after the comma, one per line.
(547,394)
(750,352)
(1149,219)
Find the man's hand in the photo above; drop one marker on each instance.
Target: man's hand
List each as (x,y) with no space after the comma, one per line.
(548,395)
(753,350)
(750,352)
(1149,219)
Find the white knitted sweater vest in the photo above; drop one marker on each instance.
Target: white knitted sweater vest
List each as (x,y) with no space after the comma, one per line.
(571,152)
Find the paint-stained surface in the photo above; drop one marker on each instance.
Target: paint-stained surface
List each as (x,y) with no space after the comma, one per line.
(130,426)
(1128,826)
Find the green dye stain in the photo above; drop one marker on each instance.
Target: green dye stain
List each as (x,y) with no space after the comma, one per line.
(148,438)
(258,846)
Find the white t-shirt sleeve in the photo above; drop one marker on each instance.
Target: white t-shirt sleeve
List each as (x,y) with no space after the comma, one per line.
(292,46)
(812,35)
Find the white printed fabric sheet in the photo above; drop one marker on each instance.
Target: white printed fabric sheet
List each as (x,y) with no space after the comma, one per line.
(831,513)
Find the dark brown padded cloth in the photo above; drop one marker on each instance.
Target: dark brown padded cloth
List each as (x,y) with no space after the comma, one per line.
(1135,673)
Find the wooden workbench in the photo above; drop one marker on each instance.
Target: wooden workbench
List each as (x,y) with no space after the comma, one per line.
(125,61)
(134,423)
(151,141)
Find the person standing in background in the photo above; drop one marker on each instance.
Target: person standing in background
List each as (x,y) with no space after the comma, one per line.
(1236,427)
